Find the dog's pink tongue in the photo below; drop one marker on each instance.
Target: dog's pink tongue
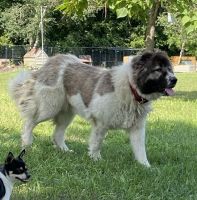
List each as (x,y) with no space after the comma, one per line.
(169,91)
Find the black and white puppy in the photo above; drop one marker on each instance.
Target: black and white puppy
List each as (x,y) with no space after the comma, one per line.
(12,170)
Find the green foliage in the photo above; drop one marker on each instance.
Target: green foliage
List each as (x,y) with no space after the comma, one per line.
(98,23)
(177,34)
(74,7)
(4,40)
(95,30)
(20,22)
(122,12)
(132,8)
(137,37)
(184,10)
(123,8)
(9,3)
(187,13)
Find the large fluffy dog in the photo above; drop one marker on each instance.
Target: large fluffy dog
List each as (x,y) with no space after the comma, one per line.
(115,98)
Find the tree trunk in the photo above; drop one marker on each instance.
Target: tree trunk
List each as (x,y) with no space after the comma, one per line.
(150,31)
(181,52)
(31,41)
(36,43)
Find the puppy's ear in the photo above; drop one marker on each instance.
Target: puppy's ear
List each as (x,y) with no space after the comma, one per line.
(22,153)
(9,158)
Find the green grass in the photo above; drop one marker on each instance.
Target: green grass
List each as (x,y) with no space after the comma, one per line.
(171,148)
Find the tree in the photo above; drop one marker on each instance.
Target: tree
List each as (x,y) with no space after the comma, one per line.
(146,11)
(141,10)
(94,31)
(129,23)
(186,14)
(178,37)
(20,21)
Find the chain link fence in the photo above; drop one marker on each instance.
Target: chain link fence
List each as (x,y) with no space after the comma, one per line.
(101,56)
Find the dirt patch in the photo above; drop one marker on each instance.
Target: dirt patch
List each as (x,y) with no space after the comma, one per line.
(10,68)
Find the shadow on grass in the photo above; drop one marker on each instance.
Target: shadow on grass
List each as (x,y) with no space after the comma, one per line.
(186,96)
(166,140)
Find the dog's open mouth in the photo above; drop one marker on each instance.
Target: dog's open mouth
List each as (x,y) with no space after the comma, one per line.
(169,92)
(23,180)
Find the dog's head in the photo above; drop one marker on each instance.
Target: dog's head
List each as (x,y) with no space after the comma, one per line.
(16,168)
(153,74)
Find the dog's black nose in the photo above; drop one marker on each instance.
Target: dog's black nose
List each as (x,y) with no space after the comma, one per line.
(173,80)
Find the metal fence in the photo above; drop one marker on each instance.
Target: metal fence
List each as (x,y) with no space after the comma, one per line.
(101,56)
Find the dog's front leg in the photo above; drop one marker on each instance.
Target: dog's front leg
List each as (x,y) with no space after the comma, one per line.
(137,139)
(95,141)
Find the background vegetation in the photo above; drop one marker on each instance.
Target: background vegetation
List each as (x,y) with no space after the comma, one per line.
(171,148)
(100,23)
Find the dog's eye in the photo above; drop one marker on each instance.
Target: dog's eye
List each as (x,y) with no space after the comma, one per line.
(19,171)
(170,69)
(157,70)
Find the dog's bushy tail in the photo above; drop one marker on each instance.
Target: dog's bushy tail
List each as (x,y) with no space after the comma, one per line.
(21,90)
(15,85)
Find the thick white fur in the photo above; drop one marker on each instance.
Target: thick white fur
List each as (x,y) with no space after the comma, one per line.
(116,109)
(119,110)
(8,183)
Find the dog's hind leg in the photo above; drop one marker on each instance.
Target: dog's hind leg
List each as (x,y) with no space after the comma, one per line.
(27,137)
(62,120)
(95,142)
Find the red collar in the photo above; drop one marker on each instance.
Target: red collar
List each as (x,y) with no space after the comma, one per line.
(138,98)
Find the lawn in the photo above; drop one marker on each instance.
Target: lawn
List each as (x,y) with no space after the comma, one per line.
(171,148)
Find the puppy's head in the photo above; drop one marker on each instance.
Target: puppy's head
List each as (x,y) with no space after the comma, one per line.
(16,168)
(153,74)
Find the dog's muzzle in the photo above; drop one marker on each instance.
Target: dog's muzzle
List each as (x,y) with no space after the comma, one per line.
(27,177)
(171,84)
(173,81)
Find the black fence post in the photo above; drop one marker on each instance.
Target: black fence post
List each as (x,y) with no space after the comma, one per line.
(6,52)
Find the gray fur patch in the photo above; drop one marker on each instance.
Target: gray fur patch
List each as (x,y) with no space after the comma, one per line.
(48,74)
(105,84)
(81,78)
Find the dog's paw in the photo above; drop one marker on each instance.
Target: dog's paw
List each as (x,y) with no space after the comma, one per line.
(146,164)
(26,141)
(63,148)
(95,156)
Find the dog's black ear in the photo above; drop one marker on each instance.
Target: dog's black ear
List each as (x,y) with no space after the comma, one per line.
(146,56)
(22,153)
(140,60)
(9,158)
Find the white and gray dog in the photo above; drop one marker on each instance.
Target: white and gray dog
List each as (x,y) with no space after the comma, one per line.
(119,97)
